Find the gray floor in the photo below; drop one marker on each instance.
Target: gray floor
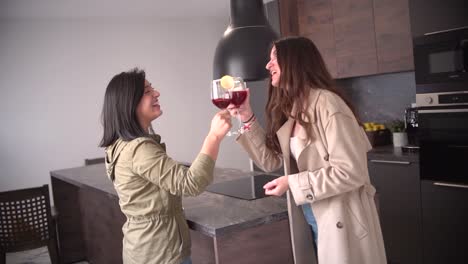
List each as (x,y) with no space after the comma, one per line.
(35,256)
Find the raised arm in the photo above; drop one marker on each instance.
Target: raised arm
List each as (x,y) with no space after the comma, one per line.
(151,161)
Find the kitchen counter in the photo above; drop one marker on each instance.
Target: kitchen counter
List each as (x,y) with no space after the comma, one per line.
(392,153)
(215,220)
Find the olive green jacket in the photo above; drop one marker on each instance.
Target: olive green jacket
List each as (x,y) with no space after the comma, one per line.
(150,186)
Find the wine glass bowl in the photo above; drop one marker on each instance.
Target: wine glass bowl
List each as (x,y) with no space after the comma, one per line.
(238,97)
(220,96)
(226,91)
(238,91)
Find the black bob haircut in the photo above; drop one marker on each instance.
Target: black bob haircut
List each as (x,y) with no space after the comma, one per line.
(121,99)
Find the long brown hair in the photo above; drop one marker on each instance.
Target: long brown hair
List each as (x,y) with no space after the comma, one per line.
(302,69)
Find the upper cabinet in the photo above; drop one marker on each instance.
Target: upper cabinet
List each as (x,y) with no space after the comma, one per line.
(436,15)
(393,36)
(322,31)
(356,53)
(355,37)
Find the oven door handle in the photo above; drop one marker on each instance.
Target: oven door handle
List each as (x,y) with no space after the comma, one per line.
(464,110)
(458,146)
(464,186)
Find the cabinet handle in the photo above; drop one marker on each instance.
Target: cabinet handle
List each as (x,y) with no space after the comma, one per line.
(451,185)
(391,162)
(443,111)
(441,31)
(457,146)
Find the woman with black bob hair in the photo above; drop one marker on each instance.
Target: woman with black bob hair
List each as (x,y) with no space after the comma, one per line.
(150,184)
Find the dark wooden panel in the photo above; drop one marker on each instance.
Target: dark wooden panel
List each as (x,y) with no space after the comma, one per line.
(94,161)
(202,248)
(288,17)
(356,54)
(316,22)
(268,243)
(66,201)
(272,14)
(393,36)
(444,218)
(102,225)
(399,203)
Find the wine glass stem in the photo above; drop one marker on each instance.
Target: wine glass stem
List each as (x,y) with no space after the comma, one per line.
(239,119)
(236,131)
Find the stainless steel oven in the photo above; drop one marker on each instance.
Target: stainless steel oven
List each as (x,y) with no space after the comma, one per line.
(443,134)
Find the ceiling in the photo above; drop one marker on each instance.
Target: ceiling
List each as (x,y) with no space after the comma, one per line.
(114,8)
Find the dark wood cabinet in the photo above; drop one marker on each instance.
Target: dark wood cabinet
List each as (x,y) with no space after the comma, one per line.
(399,202)
(356,37)
(393,36)
(316,22)
(356,53)
(288,17)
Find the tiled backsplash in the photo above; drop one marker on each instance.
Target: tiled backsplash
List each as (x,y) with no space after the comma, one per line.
(380,98)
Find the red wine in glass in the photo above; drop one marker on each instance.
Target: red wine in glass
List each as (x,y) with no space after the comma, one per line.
(229,90)
(221,103)
(238,97)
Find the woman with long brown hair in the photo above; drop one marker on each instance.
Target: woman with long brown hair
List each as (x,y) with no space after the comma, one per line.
(313,132)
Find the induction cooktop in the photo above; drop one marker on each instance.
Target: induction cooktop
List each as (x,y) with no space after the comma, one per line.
(247,188)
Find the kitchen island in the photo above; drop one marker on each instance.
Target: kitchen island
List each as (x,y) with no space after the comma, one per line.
(223,229)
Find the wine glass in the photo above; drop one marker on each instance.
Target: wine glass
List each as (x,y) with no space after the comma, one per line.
(238,93)
(220,97)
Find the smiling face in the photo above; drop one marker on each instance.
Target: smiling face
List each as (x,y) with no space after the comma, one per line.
(273,67)
(148,108)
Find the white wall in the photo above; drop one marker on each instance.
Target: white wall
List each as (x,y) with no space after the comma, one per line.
(53,74)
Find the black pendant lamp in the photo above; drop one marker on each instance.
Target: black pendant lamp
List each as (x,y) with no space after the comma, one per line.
(244,49)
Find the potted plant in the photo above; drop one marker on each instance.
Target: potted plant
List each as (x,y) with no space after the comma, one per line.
(398,129)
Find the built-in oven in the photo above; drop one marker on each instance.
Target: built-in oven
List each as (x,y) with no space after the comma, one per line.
(443,135)
(441,65)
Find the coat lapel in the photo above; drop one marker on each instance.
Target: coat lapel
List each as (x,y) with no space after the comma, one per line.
(284,134)
(302,133)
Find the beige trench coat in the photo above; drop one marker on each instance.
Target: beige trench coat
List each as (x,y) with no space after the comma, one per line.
(331,174)
(150,186)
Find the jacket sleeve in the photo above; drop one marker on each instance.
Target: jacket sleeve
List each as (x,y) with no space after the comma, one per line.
(253,142)
(151,162)
(347,163)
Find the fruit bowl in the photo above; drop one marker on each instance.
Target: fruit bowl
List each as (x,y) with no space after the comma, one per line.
(377,134)
(379,137)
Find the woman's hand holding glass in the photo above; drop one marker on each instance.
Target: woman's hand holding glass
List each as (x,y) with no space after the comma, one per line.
(220,124)
(243,111)
(230,92)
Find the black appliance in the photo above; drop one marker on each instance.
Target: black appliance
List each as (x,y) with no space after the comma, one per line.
(411,125)
(441,67)
(247,188)
(443,134)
